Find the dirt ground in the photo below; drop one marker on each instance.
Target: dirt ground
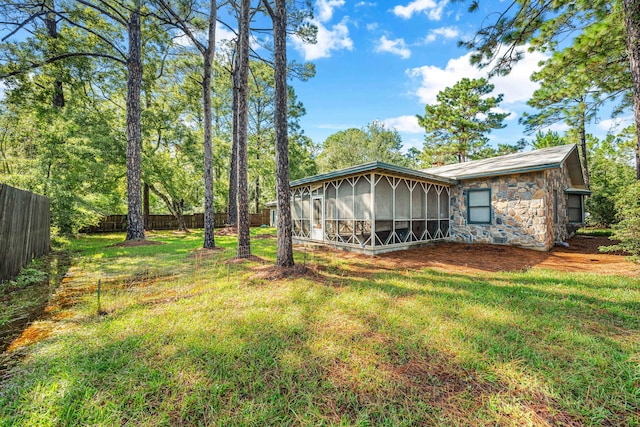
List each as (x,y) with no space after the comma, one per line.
(582,255)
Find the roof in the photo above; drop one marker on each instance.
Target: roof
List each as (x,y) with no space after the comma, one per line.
(371,167)
(530,161)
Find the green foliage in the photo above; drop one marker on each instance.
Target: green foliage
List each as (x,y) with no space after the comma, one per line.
(627,230)
(458,123)
(351,147)
(547,139)
(578,79)
(69,154)
(29,276)
(610,160)
(501,149)
(542,25)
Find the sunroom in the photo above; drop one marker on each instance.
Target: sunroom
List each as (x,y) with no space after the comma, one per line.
(373,208)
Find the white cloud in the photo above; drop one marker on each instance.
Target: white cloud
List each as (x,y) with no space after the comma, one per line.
(409,143)
(397,47)
(223,34)
(328,40)
(431,8)
(406,124)
(443,32)
(372,26)
(325,8)
(365,4)
(516,86)
(615,125)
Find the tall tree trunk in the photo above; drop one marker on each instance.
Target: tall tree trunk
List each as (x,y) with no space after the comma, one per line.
(257,193)
(232,208)
(244,220)
(632,23)
(145,206)
(179,209)
(209,239)
(284,257)
(583,142)
(256,181)
(135,224)
(52,31)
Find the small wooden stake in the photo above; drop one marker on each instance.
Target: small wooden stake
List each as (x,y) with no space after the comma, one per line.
(99,308)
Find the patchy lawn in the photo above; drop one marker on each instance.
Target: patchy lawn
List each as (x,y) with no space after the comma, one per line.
(432,336)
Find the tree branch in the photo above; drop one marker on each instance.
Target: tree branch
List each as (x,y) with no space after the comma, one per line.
(59,58)
(90,31)
(120,19)
(22,24)
(182,25)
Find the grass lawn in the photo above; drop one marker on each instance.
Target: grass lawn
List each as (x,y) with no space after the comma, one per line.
(197,338)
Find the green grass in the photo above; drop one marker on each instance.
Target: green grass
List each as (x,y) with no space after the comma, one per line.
(594,231)
(191,340)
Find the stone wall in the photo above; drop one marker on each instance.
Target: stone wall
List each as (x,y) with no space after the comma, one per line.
(557,179)
(519,211)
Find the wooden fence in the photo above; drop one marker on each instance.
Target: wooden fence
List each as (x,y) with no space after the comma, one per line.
(24,229)
(169,222)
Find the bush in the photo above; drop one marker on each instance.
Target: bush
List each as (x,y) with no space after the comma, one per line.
(627,231)
(602,211)
(29,276)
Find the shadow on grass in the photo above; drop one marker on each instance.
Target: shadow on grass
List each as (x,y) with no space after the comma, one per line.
(23,304)
(537,326)
(252,369)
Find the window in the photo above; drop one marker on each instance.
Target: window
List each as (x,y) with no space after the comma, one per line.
(574,210)
(555,206)
(479,206)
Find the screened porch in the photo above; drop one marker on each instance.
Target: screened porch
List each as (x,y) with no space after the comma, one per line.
(373,211)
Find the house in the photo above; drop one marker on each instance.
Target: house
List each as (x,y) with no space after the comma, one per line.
(532,199)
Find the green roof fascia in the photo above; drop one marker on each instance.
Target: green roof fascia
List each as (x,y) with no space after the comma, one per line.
(577,191)
(369,167)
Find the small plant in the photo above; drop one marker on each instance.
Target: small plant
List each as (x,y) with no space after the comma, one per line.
(29,276)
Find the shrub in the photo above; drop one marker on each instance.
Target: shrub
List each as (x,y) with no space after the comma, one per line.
(602,210)
(627,231)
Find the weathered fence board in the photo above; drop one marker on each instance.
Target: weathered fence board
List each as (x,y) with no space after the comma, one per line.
(24,229)
(169,222)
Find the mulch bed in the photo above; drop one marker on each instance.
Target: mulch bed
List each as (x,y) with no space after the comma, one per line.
(582,255)
(226,231)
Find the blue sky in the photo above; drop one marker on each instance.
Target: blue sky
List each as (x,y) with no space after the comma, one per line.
(384,60)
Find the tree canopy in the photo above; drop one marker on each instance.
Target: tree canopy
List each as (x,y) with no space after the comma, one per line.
(374,142)
(458,123)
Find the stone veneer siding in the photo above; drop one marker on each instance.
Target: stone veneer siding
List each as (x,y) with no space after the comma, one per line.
(557,179)
(520,213)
